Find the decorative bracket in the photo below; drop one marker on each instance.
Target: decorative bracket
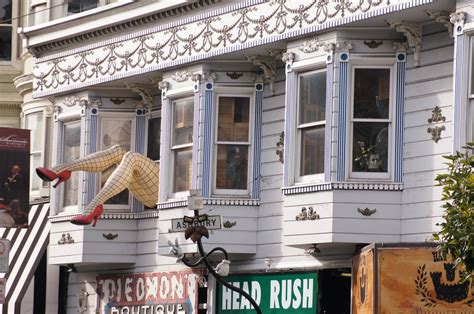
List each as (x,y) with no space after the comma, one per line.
(367,211)
(281,147)
(110,236)
(442,17)
(66,239)
(163,86)
(288,58)
(307,214)
(268,66)
(414,37)
(458,18)
(145,94)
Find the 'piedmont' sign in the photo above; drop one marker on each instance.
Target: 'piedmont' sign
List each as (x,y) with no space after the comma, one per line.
(274,293)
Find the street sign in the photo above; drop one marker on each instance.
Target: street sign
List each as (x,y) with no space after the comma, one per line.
(195,202)
(3,283)
(181,224)
(4,254)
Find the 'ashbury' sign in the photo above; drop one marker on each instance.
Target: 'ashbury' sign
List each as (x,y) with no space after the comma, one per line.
(274,293)
(149,293)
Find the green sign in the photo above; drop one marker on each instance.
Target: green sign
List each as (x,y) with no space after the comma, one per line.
(274,293)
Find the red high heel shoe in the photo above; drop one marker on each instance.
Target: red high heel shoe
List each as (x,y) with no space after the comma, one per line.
(87,219)
(48,175)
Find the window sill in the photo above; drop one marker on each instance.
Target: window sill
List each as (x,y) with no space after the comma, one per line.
(330,186)
(227,201)
(61,217)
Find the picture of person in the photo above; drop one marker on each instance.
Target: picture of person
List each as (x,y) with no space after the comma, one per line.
(14,185)
(134,171)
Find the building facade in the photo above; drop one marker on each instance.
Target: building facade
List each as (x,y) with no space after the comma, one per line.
(312,128)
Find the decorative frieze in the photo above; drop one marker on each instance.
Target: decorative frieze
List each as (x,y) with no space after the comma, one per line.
(312,45)
(413,34)
(192,39)
(181,76)
(322,187)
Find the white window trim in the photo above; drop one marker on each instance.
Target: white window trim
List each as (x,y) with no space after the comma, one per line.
(173,148)
(232,92)
(40,192)
(115,116)
(298,178)
(375,63)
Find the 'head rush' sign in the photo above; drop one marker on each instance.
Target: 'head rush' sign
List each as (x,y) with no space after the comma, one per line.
(274,293)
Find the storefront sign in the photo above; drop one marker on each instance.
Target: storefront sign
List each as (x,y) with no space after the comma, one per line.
(210,222)
(15,176)
(149,293)
(274,293)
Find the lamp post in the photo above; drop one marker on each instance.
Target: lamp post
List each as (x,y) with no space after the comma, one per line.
(196,231)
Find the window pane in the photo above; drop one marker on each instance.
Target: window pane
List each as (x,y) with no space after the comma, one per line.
(154,131)
(71,152)
(5,11)
(312,156)
(115,132)
(34,122)
(5,43)
(76,6)
(312,97)
(233,125)
(182,169)
(370,147)
(232,165)
(35,180)
(183,115)
(371,93)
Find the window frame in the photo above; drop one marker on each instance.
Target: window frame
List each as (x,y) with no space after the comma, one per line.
(372,63)
(37,193)
(174,148)
(232,92)
(469,135)
(14,37)
(115,116)
(155,114)
(298,129)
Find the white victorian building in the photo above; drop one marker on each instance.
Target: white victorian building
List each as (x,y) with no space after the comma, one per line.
(312,128)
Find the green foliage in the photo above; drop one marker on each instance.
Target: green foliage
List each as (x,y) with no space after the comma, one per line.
(457,230)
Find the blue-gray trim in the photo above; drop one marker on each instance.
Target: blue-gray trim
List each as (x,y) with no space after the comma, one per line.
(328,128)
(459,43)
(197,100)
(288,144)
(257,139)
(399,121)
(342,112)
(92,148)
(139,147)
(207,140)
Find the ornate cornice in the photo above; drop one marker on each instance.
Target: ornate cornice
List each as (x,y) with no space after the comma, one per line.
(232,28)
(330,186)
(414,37)
(442,17)
(132,25)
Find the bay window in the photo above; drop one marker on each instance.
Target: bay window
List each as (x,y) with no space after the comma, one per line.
(115,131)
(311,124)
(370,122)
(71,135)
(182,144)
(232,144)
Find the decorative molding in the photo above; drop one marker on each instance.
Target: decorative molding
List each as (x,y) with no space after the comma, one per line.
(110,236)
(209,76)
(344,46)
(144,92)
(307,214)
(49,109)
(442,17)
(323,187)
(280,151)
(181,76)
(458,19)
(400,46)
(288,57)
(95,102)
(227,224)
(112,216)
(232,201)
(436,132)
(367,211)
(436,115)
(72,101)
(66,239)
(234,75)
(163,86)
(373,44)
(196,38)
(312,45)
(413,33)
(117,101)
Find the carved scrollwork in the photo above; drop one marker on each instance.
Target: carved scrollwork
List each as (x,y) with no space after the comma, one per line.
(281,147)
(66,238)
(367,211)
(436,117)
(436,132)
(228,224)
(110,236)
(307,214)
